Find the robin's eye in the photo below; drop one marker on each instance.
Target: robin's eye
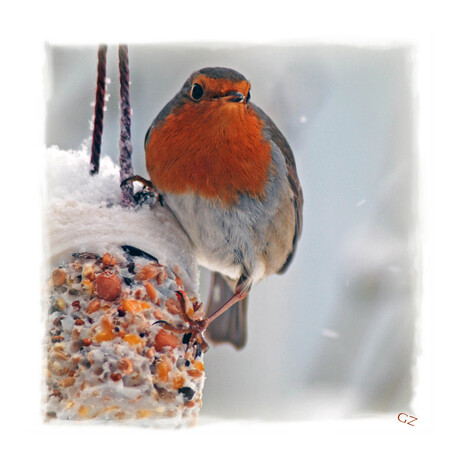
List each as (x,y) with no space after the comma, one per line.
(197,92)
(248,96)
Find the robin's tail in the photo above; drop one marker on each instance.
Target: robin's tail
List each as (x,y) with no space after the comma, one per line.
(231,325)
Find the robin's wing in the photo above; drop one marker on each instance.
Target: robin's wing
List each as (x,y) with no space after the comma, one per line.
(277,137)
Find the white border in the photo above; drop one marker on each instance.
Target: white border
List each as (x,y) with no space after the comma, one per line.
(430,26)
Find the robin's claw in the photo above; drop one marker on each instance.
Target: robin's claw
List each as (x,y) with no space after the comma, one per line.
(167,325)
(193,333)
(137,178)
(149,190)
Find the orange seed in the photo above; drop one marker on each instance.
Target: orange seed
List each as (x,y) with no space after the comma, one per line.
(126,366)
(58,277)
(147,272)
(93,306)
(134,306)
(151,291)
(163,368)
(132,339)
(165,339)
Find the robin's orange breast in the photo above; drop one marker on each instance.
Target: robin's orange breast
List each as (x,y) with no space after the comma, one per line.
(215,149)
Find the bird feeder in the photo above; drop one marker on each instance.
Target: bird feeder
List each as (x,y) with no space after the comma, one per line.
(118,266)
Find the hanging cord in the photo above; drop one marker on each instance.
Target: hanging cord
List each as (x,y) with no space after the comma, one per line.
(98,110)
(125,144)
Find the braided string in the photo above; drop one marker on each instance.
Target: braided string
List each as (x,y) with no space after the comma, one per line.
(98,109)
(125,145)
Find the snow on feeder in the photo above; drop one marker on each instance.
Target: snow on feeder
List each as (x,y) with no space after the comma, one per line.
(116,274)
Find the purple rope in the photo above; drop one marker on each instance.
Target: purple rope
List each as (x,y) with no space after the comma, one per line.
(125,145)
(98,110)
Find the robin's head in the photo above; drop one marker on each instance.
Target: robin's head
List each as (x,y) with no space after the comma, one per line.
(216,85)
(209,139)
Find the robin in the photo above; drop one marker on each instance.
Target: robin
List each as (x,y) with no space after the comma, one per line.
(229,176)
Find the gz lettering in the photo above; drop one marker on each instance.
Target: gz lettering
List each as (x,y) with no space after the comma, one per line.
(404,418)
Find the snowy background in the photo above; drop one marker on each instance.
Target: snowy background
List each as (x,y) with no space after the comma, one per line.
(334,336)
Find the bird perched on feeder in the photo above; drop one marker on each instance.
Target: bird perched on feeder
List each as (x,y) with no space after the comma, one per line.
(229,176)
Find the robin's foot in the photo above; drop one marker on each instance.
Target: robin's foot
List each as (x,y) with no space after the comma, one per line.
(194,331)
(149,190)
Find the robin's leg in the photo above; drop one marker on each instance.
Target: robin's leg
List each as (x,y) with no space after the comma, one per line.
(196,328)
(241,291)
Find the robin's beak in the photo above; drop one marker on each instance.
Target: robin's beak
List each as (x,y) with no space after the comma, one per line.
(234,96)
